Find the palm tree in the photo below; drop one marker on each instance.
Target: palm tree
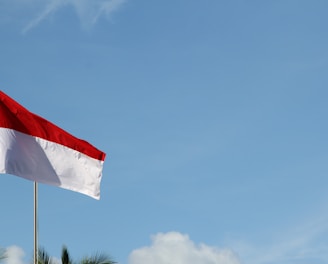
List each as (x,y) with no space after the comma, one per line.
(44,258)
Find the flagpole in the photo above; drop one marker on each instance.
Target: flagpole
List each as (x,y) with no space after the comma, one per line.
(35,251)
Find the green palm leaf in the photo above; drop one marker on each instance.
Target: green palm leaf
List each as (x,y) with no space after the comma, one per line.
(43,257)
(97,259)
(3,254)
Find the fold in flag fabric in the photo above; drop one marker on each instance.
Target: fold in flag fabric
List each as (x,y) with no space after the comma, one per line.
(35,149)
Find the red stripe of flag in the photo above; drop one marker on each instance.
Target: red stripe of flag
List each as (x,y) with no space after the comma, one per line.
(15,116)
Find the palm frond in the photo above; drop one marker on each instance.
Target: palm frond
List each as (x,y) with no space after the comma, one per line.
(43,257)
(65,257)
(3,254)
(98,258)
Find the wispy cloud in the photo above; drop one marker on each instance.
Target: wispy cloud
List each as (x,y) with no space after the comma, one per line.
(88,11)
(174,247)
(51,7)
(302,243)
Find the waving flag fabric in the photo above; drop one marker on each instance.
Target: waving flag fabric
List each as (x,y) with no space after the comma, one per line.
(35,149)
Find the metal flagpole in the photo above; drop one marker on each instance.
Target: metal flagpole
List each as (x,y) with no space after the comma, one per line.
(35,251)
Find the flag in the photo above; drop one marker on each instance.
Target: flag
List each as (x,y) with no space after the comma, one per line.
(33,148)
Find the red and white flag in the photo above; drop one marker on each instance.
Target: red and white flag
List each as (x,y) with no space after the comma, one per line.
(35,149)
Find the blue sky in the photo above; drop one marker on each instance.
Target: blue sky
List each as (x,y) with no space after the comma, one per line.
(212,115)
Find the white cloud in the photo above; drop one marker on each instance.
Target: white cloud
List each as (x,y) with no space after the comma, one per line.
(14,255)
(174,247)
(88,11)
